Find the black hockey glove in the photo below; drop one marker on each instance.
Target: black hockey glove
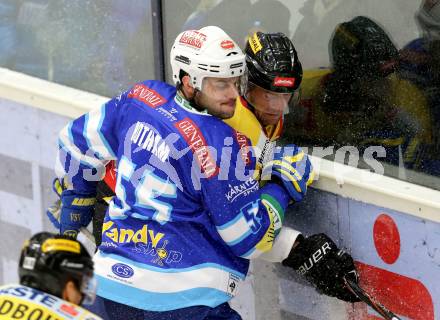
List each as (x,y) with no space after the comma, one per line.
(324,265)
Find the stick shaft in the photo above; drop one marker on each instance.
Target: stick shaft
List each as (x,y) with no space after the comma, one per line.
(361,294)
(88,234)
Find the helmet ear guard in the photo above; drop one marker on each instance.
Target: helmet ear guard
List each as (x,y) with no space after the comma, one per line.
(49,261)
(208,52)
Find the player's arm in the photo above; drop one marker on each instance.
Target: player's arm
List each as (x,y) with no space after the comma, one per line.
(292,170)
(86,145)
(250,222)
(316,257)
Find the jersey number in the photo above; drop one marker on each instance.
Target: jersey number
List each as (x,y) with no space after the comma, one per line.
(252,215)
(147,190)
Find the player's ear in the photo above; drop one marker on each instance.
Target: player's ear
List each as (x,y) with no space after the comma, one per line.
(71,293)
(187,87)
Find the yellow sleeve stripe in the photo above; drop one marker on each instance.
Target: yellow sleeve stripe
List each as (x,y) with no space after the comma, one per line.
(266,243)
(58,187)
(295,158)
(311,178)
(387,142)
(288,169)
(293,179)
(411,150)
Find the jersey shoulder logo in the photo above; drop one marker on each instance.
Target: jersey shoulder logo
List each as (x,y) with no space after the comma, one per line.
(196,141)
(147,95)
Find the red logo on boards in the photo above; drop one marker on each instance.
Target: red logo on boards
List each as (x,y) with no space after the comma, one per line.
(146,95)
(284,82)
(192,135)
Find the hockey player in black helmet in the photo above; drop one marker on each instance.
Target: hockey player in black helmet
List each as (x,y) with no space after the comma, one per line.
(274,75)
(56,275)
(270,56)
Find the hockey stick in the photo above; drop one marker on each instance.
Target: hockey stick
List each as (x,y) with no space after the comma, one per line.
(361,294)
(88,234)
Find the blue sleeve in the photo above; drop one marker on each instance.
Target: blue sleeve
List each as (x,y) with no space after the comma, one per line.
(86,145)
(248,218)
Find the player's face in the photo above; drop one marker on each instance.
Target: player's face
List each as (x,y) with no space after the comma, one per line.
(71,293)
(218,96)
(269,106)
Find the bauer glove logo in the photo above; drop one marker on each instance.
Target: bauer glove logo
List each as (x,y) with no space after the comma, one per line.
(314,258)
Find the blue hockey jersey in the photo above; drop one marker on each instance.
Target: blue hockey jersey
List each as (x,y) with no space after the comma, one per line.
(187,214)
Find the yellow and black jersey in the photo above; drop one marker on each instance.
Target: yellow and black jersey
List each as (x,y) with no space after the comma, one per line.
(20,302)
(262,139)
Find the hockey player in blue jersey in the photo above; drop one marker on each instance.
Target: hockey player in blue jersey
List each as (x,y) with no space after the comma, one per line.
(273,78)
(175,244)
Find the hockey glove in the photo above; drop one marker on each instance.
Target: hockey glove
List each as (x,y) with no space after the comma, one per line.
(292,169)
(53,212)
(73,211)
(319,260)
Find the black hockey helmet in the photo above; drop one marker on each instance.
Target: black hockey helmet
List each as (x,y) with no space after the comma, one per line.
(49,261)
(273,63)
(361,46)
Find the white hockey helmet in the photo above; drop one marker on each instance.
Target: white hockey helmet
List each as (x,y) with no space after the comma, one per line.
(207,52)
